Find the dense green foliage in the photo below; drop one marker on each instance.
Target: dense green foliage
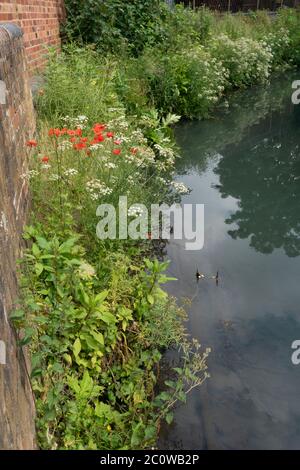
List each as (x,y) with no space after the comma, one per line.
(181,60)
(113,24)
(92,311)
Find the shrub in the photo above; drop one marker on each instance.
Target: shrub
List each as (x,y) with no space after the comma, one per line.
(189,81)
(77,81)
(111,24)
(247,61)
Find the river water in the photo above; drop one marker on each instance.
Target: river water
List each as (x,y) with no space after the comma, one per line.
(244,166)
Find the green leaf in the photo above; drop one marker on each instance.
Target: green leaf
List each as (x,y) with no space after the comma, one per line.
(27,337)
(137,435)
(76,347)
(99,298)
(98,336)
(169,418)
(107,317)
(17,315)
(150,299)
(39,268)
(150,432)
(35,250)
(42,242)
(36,372)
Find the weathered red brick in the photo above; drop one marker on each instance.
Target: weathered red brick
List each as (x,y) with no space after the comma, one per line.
(40,21)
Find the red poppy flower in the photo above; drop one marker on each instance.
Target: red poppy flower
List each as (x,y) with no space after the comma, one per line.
(45,159)
(64,130)
(116,151)
(71,132)
(117,142)
(73,140)
(110,134)
(98,128)
(79,146)
(97,139)
(83,139)
(78,132)
(31,143)
(55,132)
(133,150)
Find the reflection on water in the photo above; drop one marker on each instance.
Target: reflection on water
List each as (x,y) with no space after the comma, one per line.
(245,167)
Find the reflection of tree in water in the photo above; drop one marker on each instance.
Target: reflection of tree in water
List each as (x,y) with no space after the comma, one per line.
(200,141)
(263,174)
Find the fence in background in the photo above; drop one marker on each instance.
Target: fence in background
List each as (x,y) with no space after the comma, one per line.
(239,5)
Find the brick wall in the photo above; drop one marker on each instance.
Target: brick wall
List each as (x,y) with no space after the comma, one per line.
(39,20)
(17,125)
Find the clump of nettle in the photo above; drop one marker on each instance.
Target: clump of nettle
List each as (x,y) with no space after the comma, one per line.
(91,311)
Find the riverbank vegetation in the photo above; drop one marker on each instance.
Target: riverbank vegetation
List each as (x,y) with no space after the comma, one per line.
(93,311)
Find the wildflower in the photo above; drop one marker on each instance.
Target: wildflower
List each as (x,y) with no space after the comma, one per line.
(117,142)
(29,174)
(133,150)
(71,132)
(31,143)
(96,189)
(73,140)
(83,139)
(86,271)
(134,211)
(109,134)
(110,165)
(98,128)
(98,138)
(54,177)
(71,172)
(180,187)
(53,131)
(45,159)
(116,151)
(79,146)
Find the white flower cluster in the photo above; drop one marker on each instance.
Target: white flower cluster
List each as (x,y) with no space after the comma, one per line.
(119,122)
(110,165)
(167,154)
(135,211)
(246,60)
(29,174)
(96,146)
(54,177)
(277,43)
(96,189)
(71,172)
(77,122)
(138,137)
(64,145)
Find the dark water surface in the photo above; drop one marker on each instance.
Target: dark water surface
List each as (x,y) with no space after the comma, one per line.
(245,167)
